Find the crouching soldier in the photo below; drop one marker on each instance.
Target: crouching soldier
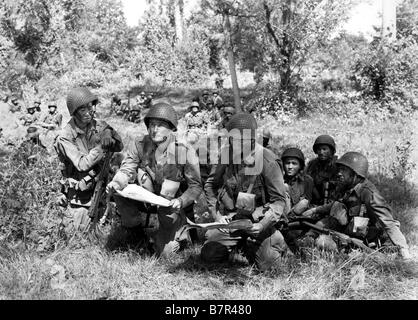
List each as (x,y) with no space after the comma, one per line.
(81,147)
(323,169)
(361,211)
(173,170)
(248,184)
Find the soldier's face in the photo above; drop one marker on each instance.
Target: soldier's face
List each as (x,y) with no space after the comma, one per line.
(291,166)
(345,177)
(159,130)
(195,109)
(324,152)
(85,114)
(52,109)
(31,110)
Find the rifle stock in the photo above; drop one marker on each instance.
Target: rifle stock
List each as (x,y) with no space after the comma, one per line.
(98,190)
(341,236)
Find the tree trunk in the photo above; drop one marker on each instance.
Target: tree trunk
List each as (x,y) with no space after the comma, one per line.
(389,20)
(231,61)
(179,19)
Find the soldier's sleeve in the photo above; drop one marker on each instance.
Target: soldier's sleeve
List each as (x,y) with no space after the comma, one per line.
(212,186)
(276,190)
(129,164)
(309,185)
(192,175)
(376,206)
(81,161)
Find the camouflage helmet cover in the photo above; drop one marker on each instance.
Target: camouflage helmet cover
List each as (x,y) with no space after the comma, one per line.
(78,97)
(162,111)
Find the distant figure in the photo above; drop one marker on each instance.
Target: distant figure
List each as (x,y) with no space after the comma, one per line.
(204,100)
(53,119)
(115,104)
(14,105)
(30,149)
(227,113)
(37,104)
(217,100)
(30,118)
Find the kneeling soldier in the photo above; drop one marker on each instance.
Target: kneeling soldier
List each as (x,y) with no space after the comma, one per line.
(249,184)
(158,155)
(361,211)
(81,147)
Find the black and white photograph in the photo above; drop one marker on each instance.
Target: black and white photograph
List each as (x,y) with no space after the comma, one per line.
(204,155)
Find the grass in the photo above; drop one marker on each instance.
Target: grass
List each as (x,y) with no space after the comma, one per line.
(84,270)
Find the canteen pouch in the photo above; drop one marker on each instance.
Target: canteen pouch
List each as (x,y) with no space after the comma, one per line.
(245,203)
(169,189)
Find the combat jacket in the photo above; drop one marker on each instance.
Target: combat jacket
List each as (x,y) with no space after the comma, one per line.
(178,162)
(227,180)
(365,200)
(81,154)
(213,117)
(55,119)
(300,187)
(322,174)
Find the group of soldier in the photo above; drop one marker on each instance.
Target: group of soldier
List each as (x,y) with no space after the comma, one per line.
(41,125)
(330,192)
(128,111)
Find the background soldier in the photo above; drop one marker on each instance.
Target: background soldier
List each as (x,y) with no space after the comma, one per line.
(366,214)
(14,105)
(217,99)
(37,104)
(81,147)
(30,149)
(259,197)
(323,170)
(157,156)
(53,119)
(115,104)
(30,118)
(228,112)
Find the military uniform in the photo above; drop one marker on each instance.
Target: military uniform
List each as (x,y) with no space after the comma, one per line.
(195,121)
(163,165)
(81,153)
(362,200)
(226,184)
(52,119)
(323,175)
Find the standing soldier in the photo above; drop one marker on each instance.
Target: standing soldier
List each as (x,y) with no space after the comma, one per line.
(158,155)
(323,170)
(53,119)
(203,101)
(30,118)
(81,146)
(213,116)
(238,187)
(363,212)
(217,100)
(14,105)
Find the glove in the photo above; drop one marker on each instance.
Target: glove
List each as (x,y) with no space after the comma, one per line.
(106,139)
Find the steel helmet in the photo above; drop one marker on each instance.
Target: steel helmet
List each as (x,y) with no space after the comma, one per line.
(294,153)
(324,139)
(162,111)
(78,97)
(243,121)
(356,162)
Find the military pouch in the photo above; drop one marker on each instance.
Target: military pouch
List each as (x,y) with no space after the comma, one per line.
(245,203)
(359,227)
(169,189)
(339,212)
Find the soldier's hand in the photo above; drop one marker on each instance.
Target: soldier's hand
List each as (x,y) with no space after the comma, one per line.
(223,219)
(112,187)
(309,213)
(255,230)
(106,139)
(176,204)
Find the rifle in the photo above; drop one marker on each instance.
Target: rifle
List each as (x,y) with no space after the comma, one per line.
(338,235)
(98,192)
